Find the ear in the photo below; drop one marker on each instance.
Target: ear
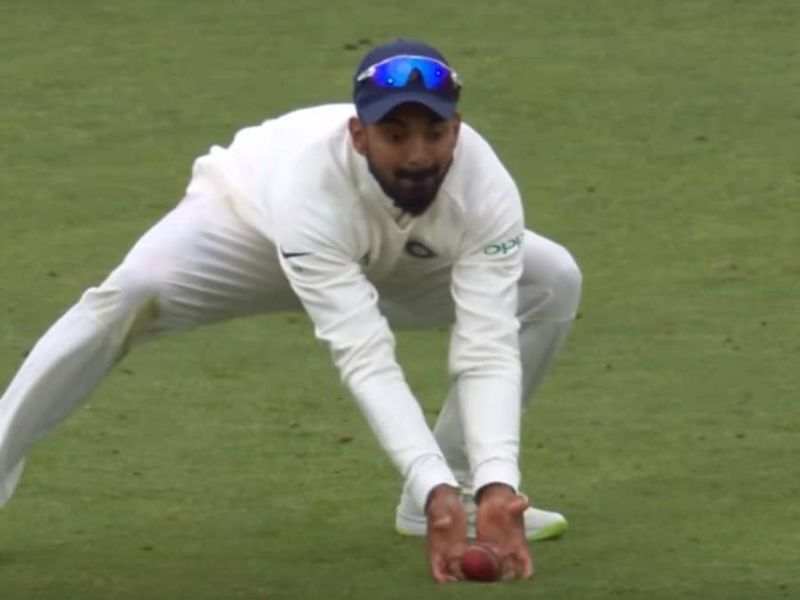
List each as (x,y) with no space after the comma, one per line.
(358,133)
(456,120)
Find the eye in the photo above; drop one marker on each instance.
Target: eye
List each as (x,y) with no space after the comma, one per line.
(394,136)
(435,134)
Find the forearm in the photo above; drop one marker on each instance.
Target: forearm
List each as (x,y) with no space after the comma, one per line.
(485,362)
(399,425)
(490,412)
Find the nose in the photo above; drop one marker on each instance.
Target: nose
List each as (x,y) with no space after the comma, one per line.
(419,152)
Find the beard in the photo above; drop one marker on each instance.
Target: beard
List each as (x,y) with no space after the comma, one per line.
(411,190)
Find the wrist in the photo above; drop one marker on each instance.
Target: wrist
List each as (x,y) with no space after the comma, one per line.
(496,470)
(494,490)
(441,491)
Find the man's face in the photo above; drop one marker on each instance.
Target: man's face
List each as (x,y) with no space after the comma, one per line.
(409,152)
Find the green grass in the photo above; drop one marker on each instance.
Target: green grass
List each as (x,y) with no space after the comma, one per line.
(657,140)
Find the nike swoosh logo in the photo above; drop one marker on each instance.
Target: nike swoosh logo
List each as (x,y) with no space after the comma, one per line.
(287,255)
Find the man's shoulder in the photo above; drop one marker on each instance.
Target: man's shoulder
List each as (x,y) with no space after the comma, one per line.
(320,114)
(295,148)
(477,174)
(310,122)
(475,150)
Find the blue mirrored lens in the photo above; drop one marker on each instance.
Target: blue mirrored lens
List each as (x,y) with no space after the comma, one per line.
(397,72)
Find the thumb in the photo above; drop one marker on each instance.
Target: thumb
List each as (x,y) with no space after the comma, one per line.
(518,505)
(442,523)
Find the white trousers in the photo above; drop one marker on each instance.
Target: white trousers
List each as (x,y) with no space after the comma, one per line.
(202,264)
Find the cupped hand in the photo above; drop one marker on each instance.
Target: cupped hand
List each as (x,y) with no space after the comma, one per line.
(447,533)
(501,525)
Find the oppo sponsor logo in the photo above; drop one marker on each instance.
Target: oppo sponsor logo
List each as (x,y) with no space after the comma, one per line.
(504,247)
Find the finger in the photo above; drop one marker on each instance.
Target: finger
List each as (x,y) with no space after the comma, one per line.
(526,563)
(446,576)
(509,569)
(442,523)
(455,568)
(439,570)
(517,563)
(442,577)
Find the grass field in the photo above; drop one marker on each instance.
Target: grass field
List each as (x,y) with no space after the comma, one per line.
(657,140)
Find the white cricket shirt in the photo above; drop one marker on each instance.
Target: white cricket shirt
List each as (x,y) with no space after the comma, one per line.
(299,180)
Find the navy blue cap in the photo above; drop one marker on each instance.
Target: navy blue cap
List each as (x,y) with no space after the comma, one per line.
(374,102)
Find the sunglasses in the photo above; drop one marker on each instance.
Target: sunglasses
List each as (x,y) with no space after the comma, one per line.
(396,72)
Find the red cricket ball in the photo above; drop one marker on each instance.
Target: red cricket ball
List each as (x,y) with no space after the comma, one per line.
(480,563)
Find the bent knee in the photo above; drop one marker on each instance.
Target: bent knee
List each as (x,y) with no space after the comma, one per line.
(129,297)
(566,285)
(565,278)
(551,283)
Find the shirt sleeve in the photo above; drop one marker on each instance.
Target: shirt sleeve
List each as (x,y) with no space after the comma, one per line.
(343,306)
(484,350)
